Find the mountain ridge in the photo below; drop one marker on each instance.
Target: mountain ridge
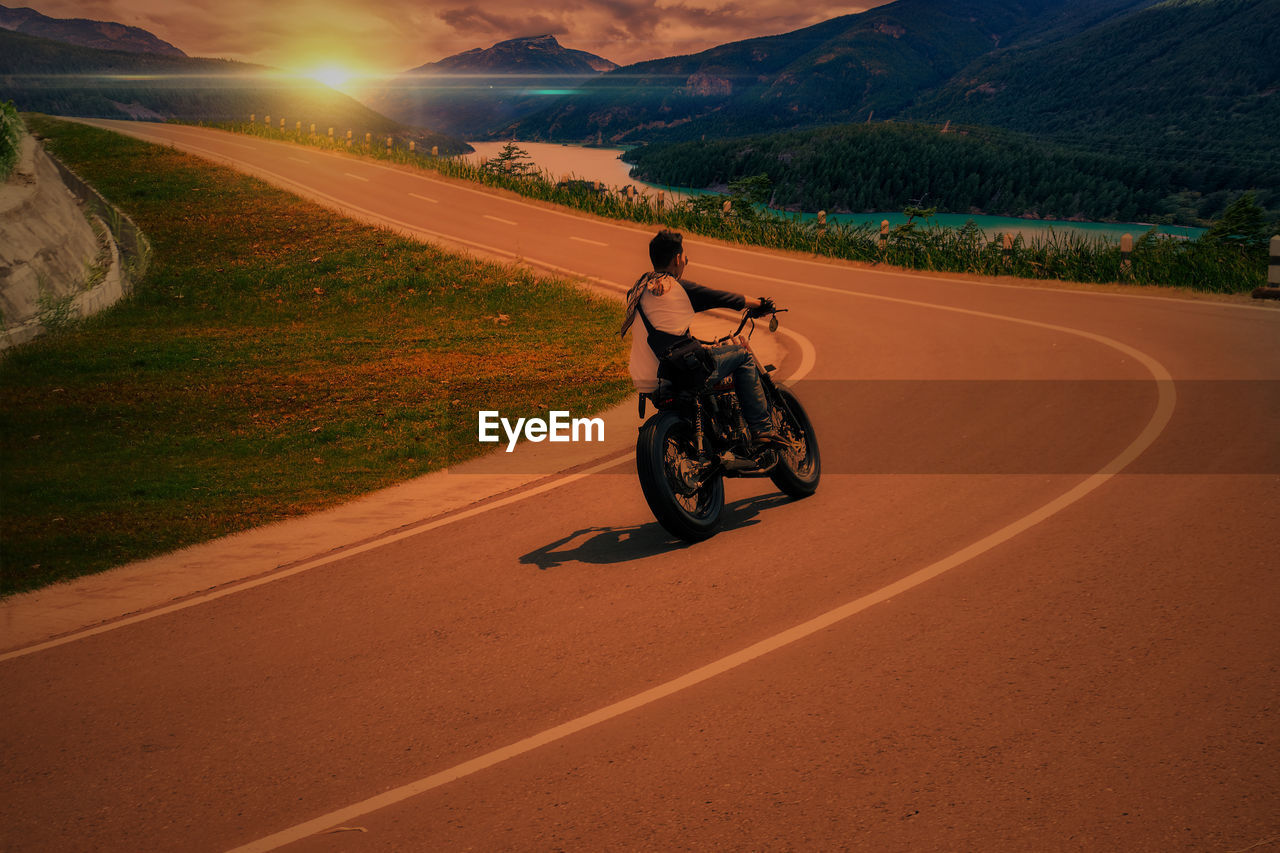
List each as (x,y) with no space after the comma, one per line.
(850,68)
(527,54)
(83,32)
(471,92)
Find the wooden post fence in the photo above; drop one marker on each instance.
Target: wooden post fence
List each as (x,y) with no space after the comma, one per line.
(1272,290)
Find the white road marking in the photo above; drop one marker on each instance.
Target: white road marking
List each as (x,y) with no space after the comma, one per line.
(357,177)
(1163,412)
(585,240)
(424,198)
(500,219)
(300,160)
(1160,418)
(321,561)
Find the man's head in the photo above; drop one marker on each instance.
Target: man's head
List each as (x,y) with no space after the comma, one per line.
(665,248)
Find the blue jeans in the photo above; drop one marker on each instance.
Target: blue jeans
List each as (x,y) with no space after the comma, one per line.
(735,360)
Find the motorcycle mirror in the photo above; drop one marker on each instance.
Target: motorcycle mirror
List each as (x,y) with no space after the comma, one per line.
(773,323)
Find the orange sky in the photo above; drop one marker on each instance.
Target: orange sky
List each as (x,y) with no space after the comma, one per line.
(388,36)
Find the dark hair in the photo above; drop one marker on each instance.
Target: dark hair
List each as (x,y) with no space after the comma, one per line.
(664,247)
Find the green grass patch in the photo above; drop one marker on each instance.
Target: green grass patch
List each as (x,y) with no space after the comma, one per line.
(275,359)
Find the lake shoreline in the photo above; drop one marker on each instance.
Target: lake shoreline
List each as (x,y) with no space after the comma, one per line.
(563,161)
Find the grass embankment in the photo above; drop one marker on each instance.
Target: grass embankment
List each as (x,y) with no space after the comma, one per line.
(10,134)
(276,359)
(1208,265)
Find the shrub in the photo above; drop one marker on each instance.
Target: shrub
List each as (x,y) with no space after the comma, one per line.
(10,136)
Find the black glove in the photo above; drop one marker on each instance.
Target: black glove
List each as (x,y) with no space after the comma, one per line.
(766,308)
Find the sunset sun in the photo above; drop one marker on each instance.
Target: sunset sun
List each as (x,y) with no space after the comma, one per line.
(331,76)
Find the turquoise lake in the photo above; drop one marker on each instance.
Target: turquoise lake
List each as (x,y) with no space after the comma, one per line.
(602,164)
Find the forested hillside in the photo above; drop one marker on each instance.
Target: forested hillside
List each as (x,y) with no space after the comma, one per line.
(1181,80)
(845,69)
(1147,108)
(888,166)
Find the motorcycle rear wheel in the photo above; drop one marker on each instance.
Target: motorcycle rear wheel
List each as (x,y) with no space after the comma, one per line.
(798,470)
(684,506)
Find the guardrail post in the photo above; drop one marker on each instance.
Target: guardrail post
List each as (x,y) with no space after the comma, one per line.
(412,146)
(267,121)
(884,234)
(728,206)
(435,150)
(822,222)
(282,125)
(252,117)
(1007,245)
(1126,249)
(1272,290)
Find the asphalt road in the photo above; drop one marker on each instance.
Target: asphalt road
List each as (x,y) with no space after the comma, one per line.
(1031,607)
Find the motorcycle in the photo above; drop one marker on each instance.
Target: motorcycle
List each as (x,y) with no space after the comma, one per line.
(698,437)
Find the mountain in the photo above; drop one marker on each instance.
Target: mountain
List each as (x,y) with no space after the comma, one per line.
(849,68)
(1178,78)
(40,75)
(471,93)
(531,55)
(1165,111)
(102,35)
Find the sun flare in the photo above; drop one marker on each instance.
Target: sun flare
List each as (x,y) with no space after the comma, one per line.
(332,76)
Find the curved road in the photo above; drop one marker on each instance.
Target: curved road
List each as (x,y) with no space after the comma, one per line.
(1032,606)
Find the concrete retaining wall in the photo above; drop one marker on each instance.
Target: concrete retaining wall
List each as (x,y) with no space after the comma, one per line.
(55,266)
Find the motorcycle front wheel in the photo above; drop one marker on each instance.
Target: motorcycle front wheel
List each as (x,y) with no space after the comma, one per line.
(799,466)
(687,502)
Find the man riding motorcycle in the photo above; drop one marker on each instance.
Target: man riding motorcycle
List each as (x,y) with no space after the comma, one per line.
(665,303)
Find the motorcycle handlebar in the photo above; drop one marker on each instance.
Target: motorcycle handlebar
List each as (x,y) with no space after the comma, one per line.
(748,317)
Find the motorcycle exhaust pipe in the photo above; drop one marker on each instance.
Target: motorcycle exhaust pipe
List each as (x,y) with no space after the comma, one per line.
(734,464)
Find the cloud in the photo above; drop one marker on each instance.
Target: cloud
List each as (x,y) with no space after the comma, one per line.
(472,20)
